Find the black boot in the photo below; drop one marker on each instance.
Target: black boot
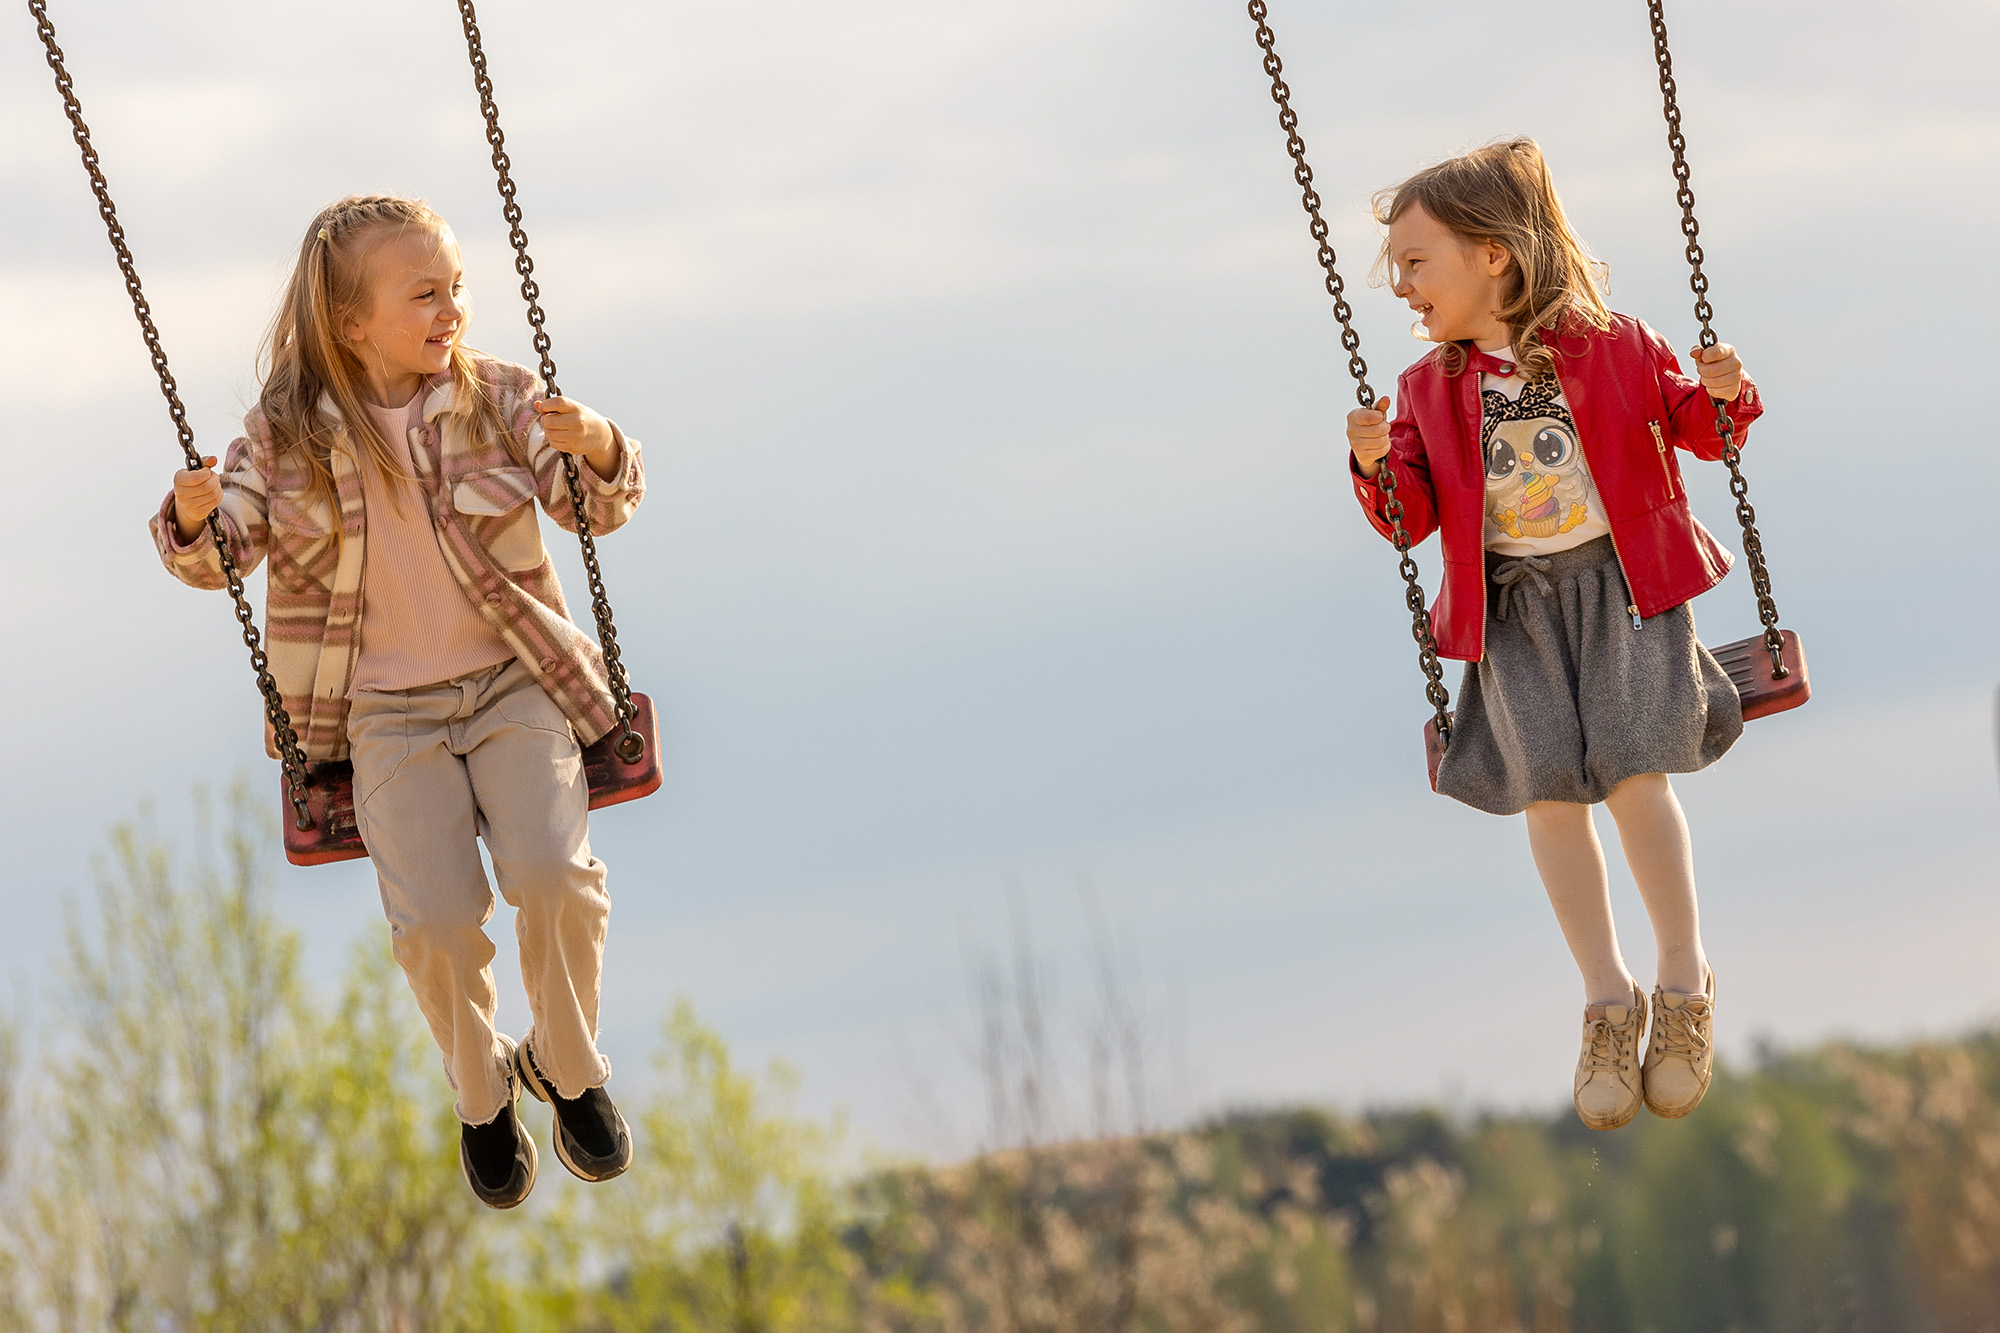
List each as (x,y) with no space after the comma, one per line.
(590,1136)
(498,1157)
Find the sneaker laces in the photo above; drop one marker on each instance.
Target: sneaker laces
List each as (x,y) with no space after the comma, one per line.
(1607,1046)
(1677,1029)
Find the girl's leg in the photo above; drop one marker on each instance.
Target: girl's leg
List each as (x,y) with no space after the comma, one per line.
(527,773)
(1571,862)
(1654,833)
(414,803)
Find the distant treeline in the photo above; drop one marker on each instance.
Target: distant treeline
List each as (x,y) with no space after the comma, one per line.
(198,1142)
(1841,1189)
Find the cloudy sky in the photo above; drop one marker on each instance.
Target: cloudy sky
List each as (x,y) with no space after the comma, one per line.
(997,543)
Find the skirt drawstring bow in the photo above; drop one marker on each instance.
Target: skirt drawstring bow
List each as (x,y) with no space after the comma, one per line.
(1507,577)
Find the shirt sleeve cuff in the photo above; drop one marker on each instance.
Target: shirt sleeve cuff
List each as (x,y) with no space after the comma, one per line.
(1364,486)
(621,477)
(170,535)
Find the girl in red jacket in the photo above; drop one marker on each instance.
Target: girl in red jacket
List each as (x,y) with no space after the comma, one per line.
(1540,440)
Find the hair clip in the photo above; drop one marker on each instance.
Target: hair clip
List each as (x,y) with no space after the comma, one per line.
(323,236)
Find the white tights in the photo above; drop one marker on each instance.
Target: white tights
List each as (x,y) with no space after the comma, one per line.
(1654,834)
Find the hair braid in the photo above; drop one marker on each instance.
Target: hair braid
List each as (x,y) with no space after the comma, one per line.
(308,359)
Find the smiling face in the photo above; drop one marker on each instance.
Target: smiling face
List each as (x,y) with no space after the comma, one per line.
(412,315)
(1456,287)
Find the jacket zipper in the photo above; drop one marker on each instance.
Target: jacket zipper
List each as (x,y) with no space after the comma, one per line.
(1660,443)
(1632,608)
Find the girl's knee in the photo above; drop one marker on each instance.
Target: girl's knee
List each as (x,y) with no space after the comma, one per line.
(553,880)
(447,927)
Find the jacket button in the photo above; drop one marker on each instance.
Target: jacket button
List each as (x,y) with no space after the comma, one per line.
(441,522)
(548,664)
(493,599)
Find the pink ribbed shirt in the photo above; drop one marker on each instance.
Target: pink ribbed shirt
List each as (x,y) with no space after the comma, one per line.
(417,626)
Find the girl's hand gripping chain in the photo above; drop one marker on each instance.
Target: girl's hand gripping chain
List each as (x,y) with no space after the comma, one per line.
(197,494)
(1721,370)
(575,429)
(1368,436)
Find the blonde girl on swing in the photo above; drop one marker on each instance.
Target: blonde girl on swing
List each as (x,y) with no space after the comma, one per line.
(390,475)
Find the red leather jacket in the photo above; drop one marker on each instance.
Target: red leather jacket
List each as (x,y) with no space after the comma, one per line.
(1630,400)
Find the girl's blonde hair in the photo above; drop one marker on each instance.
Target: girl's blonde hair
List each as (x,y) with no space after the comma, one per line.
(306,358)
(1503,194)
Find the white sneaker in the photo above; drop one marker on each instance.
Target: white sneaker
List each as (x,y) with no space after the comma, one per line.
(1680,1055)
(1609,1085)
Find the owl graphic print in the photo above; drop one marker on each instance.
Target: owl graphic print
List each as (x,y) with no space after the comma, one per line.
(1539,493)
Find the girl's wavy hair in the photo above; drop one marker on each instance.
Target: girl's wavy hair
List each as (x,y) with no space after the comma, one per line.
(306,363)
(1503,193)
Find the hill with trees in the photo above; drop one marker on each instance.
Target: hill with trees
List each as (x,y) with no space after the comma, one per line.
(197,1141)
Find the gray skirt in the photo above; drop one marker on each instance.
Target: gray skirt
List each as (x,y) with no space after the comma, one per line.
(1572,699)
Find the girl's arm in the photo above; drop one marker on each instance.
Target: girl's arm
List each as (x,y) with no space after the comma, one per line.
(238,494)
(1405,452)
(608,461)
(1690,414)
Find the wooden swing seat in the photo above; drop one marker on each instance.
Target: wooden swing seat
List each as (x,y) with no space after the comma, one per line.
(335,836)
(1749,667)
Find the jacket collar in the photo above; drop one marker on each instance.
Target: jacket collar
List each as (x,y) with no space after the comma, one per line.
(441,395)
(1571,335)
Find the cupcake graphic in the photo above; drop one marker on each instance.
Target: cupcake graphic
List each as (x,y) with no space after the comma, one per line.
(1536,485)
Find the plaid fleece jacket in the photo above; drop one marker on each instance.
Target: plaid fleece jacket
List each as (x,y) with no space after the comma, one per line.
(478,494)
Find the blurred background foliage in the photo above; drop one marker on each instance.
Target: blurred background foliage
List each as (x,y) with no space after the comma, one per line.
(193,1140)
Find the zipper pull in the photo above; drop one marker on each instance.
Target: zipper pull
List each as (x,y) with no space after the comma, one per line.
(1660,443)
(1633,611)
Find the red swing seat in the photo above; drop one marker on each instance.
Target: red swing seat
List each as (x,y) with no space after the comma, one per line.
(1763,692)
(334,835)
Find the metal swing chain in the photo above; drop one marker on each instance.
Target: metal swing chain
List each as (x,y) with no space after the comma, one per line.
(1336,287)
(631,745)
(1732,455)
(287,738)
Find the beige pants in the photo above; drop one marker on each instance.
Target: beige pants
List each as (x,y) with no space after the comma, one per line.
(488,754)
